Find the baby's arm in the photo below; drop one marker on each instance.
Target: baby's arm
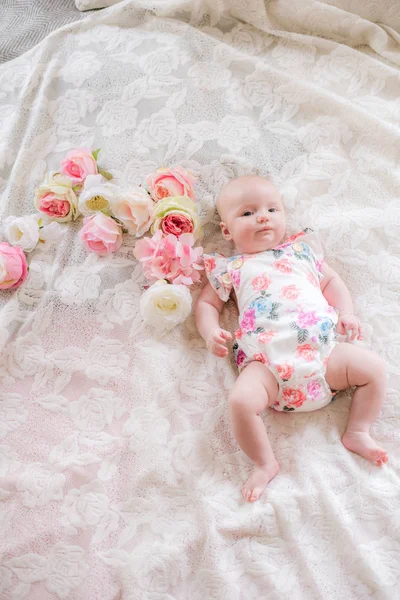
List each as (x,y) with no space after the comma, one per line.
(337,295)
(208,309)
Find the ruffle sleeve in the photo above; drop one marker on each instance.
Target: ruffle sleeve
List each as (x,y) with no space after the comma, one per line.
(313,241)
(216,268)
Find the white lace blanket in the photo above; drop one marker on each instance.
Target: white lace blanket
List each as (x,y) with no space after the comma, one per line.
(120,477)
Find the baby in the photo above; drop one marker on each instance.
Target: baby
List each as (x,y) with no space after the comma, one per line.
(291,307)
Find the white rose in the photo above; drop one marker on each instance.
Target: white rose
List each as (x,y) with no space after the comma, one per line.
(133,208)
(22,231)
(165,305)
(97,195)
(50,233)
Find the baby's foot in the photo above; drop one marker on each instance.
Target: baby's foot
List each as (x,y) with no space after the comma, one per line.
(258,480)
(362,443)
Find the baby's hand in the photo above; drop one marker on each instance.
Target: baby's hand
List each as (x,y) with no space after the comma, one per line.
(349,325)
(216,342)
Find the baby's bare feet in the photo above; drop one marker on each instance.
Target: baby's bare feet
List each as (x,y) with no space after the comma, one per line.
(362,443)
(258,480)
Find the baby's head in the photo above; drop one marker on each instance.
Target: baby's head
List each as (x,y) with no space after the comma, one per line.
(252,214)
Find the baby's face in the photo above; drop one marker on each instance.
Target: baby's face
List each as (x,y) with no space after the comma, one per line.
(252,214)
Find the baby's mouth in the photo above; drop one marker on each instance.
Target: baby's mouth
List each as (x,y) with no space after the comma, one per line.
(264,229)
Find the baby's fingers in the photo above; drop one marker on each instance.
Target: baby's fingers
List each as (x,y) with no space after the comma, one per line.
(225,335)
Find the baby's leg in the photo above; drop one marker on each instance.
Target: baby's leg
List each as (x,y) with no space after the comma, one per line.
(348,366)
(255,389)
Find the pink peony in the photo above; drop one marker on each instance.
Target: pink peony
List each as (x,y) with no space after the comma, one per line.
(314,389)
(306,319)
(13,266)
(285,371)
(306,351)
(248,322)
(293,397)
(78,164)
(171,182)
(101,234)
(290,292)
(283,265)
(169,257)
(260,283)
(177,224)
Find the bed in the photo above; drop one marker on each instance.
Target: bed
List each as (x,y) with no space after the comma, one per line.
(120,477)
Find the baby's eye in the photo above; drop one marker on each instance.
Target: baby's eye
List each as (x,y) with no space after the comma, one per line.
(247,213)
(272,210)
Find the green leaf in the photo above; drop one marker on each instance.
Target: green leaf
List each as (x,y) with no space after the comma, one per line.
(95,153)
(294,325)
(302,335)
(40,223)
(277,253)
(286,408)
(105,174)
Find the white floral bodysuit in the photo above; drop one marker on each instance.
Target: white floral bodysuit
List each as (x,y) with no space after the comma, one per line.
(284,320)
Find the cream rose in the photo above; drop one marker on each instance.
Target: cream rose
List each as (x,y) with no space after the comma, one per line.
(165,305)
(97,196)
(176,206)
(133,208)
(171,182)
(56,198)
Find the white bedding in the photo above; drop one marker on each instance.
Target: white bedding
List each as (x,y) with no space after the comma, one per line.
(120,477)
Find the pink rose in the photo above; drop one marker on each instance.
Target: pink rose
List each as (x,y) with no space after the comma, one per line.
(290,292)
(54,207)
(248,322)
(238,334)
(260,283)
(177,224)
(78,164)
(293,397)
(285,371)
(306,351)
(171,182)
(101,234)
(314,389)
(56,198)
(283,265)
(235,278)
(13,266)
(240,358)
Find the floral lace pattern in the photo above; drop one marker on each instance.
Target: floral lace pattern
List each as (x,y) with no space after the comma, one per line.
(120,477)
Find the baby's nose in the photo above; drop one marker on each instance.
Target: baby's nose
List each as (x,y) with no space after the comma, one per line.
(262,218)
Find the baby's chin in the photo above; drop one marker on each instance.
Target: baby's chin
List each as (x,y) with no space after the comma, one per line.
(261,245)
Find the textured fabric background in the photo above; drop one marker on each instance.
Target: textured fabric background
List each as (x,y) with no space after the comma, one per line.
(119,475)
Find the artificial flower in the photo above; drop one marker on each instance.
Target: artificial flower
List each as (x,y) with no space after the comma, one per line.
(101,234)
(97,195)
(22,231)
(164,305)
(78,164)
(165,183)
(56,198)
(170,258)
(13,266)
(176,212)
(133,208)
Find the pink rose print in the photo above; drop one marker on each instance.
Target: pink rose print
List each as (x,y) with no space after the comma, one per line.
(294,397)
(290,292)
(260,283)
(261,357)
(266,336)
(318,264)
(235,278)
(240,358)
(285,371)
(283,265)
(314,389)
(249,320)
(306,351)
(238,334)
(209,263)
(305,319)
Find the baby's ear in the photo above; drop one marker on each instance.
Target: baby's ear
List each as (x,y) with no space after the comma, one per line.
(225,231)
